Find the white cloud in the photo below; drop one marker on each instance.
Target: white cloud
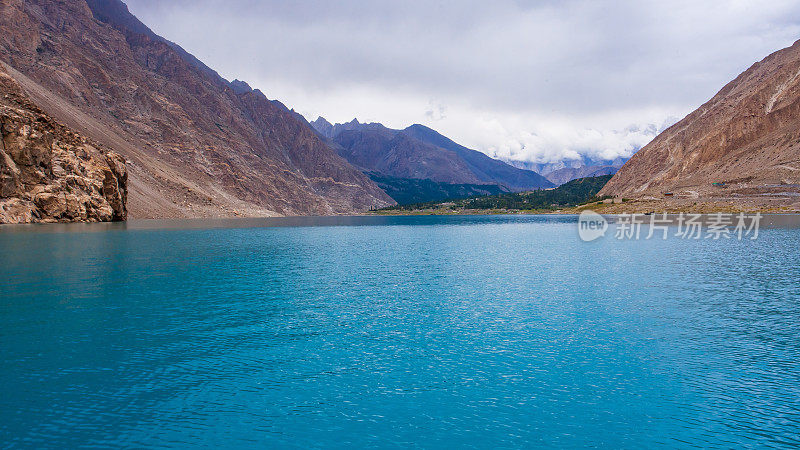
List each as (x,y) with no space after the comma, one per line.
(540,80)
(436,111)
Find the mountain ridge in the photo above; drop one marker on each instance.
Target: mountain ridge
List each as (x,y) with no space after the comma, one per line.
(419,152)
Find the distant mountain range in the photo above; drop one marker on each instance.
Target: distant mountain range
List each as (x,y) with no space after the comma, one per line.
(562,176)
(563,171)
(743,143)
(420,153)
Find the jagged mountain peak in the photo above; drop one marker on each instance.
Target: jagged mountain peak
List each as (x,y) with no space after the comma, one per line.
(240,87)
(323,127)
(322,121)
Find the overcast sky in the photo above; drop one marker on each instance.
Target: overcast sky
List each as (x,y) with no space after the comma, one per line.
(529,80)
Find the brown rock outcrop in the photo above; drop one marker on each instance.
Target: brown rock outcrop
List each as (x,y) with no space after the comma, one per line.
(48,173)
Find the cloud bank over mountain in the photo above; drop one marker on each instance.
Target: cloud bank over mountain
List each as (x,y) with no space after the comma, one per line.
(531,80)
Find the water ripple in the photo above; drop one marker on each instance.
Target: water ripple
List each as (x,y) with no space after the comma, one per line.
(395,332)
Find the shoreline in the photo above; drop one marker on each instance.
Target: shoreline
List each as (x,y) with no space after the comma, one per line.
(632,206)
(768,220)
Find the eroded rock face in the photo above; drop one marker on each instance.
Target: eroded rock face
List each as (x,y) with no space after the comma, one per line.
(48,173)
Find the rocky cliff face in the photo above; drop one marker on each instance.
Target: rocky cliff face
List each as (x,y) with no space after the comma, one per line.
(744,142)
(48,173)
(197,145)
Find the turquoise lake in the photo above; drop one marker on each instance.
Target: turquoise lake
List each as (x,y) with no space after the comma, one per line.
(431,332)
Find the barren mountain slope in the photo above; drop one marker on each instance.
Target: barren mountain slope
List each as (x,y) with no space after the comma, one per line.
(744,142)
(196,147)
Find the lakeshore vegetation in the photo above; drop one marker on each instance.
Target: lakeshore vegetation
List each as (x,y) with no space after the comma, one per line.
(574,193)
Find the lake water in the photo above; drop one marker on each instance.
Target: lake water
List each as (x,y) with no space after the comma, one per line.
(436,332)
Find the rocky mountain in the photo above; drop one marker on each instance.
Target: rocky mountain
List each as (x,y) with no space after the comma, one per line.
(419,152)
(561,172)
(561,176)
(323,127)
(49,173)
(196,145)
(330,130)
(744,142)
(546,168)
